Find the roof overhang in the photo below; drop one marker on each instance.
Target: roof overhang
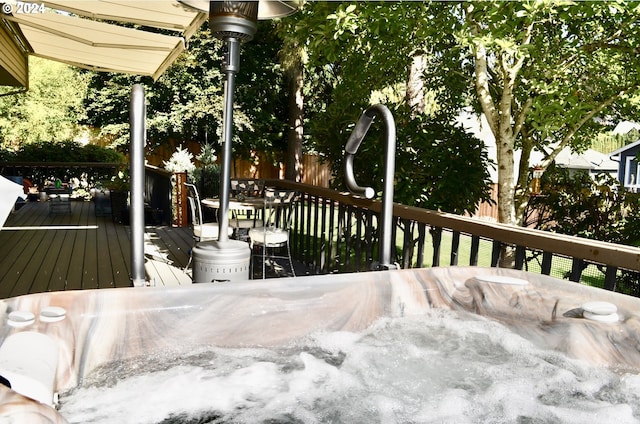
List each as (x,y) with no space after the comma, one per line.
(100,35)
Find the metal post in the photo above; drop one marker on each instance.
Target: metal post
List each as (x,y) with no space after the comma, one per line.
(230,67)
(137,115)
(351,148)
(386,230)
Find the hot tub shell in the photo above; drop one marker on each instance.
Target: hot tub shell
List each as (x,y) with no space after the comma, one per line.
(101,326)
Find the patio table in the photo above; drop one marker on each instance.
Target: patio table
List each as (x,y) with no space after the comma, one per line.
(245,204)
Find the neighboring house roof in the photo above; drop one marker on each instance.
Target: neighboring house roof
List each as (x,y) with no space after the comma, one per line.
(590,159)
(625,126)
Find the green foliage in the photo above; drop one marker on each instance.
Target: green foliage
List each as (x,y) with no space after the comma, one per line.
(206,175)
(360,53)
(186,102)
(607,142)
(598,209)
(262,95)
(595,208)
(550,66)
(49,110)
(120,181)
(64,151)
(69,152)
(438,166)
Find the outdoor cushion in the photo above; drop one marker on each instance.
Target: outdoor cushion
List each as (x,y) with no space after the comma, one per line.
(210,230)
(269,236)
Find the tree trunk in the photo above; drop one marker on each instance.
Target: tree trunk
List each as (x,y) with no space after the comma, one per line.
(523,194)
(498,116)
(294,171)
(415,85)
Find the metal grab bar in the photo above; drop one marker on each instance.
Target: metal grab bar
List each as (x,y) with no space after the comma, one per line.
(350,149)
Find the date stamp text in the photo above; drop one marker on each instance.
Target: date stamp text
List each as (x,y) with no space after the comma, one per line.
(21,7)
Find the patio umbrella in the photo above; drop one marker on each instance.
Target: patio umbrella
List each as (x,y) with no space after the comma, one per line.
(9,193)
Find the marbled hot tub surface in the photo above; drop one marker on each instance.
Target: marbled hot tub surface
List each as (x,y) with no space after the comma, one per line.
(108,325)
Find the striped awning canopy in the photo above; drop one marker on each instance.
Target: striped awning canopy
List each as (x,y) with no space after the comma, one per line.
(136,37)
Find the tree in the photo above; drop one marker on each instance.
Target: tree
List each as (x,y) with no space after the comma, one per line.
(367,53)
(292,58)
(49,111)
(542,72)
(545,73)
(186,102)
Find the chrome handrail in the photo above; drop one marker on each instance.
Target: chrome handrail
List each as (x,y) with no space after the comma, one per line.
(351,148)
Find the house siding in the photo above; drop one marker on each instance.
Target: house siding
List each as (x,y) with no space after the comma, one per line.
(626,156)
(13,62)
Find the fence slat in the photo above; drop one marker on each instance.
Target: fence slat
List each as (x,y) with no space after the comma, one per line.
(520,257)
(455,246)
(436,236)
(495,253)
(577,266)
(475,249)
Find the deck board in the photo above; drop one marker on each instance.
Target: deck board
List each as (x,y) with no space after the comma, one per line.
(89,252)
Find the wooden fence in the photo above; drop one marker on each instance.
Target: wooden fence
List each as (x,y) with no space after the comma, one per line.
(261,165)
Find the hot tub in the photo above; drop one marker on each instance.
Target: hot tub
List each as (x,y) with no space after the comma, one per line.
(493,344)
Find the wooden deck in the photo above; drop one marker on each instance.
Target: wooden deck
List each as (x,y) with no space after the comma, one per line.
(42,252)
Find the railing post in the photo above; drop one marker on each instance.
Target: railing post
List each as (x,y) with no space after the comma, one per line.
(610,278)
(421,238)
(436,235)
(521,252)
(407,244)
(455,247)
(576,270)
(475,249)
(495,253)
(332,247)
(547,258)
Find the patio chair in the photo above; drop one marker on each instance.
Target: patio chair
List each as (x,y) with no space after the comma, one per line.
(274,234)
(243,220)
(202,231)
(246,187)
